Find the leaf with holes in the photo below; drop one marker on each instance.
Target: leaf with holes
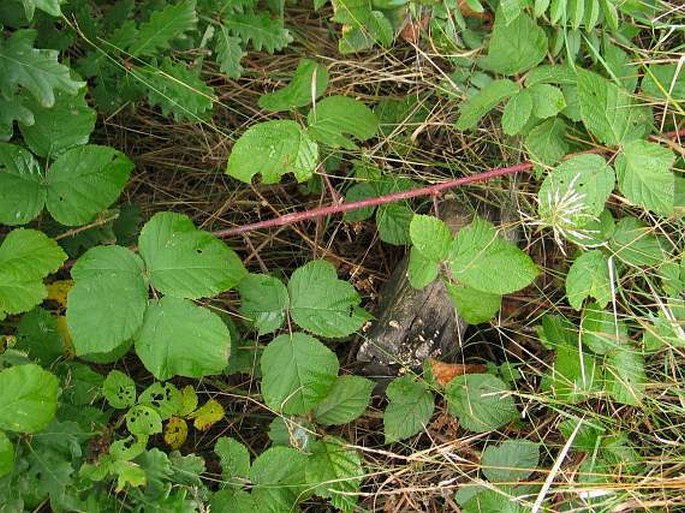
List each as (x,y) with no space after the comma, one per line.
(309,376)
(322,303)
(409,409)
(119,390)
(331,119)
(283,147)
(143,421)
(164,398)
(307,85)
(183,261)
(346,401)
(481,402)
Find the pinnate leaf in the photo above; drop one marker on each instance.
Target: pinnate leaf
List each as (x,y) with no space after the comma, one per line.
(259,30)
(185,262)
(28,398)
(393,222)
(307,378)
(283,148)
(471,112)
(548,100)
(664,81)
(409,409)
(546,143)
(234,458)
(164,26)
(228,53)
(645,177)
(346,401)
(323,304)
(308,83)
(517,112)
(334,117)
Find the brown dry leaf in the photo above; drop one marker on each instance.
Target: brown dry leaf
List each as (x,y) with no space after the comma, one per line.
(175,432)
(467,12)
(412,29)
(446,372)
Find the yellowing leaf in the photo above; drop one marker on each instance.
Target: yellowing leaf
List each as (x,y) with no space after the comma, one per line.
(175,432)
(207,415)
(188,401)
(63,330)
(58,290)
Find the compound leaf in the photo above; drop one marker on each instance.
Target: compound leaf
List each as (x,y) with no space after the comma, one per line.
(164,26)
(589,276)
(517,112)
(409,409)
(260,30)
(264,301)
(229,53)
(635,243)
(512,460)
(474,306)
(471,112)
(431,237)
(335,472)
(420,270)
(625,376)
(28,398)
(335,116)
(346,401)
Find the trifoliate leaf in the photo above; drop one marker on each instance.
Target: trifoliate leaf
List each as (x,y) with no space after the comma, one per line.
(665,82)
(548,100)
(105,307)
(53,130)
(625,376)
(234,458)
(175,433)
(635,243)
(283,147)
(512,460)
(28,398)
(346,401)
(165,25)
(22,194)
(119,390)
(559,74)
(546,142)
(474,306)
(6,455)
(258,29)
(517,112)
(481,402)
(143,421)
(483,260)
(229,53)
(420,270)
(431,237)
(589,276)
(164,398)
(84,181)
(409,409)
(264,301)
(331,119)
(308,377)
(471,112)
(515,46)
(36,70)
(179,338)
(308,84)
(393,222)
(207,415)
(183,261)
(26,257)
(323,304)
(38,334)
(574,376)
(645,177)
(335,472)
(601,331)
(609,112)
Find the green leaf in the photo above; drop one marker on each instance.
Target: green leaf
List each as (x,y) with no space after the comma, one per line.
(143,421)
(589,276)
(346,401)
(393,222)
(28,398)
(229,53)
(6,455)
(66,124)
(474,306)
(283,148)
(333,117)
(481,402)
(546,142)
(362,26)
(12,109)
(601,331)
(548,100)
(119,390)
(307,378)
(625,376)
(52,7)
(164,398)
(106,305)
(234,458)
(22,194)
(431,237)
(323,304)
(185,262)
(635,243)
(665,82)
(36,70)
(279,476)
(165,25)
(179,338)
(38,334)
(645,177)
(515,46)
(235,500)
(26,257)
(84,181)
(574,376)
(486,262)
(259,29)
(517,112)
(264,301)
(511,460)
(471,112)
(335,472)
(492,501)
(308,83)
(409,410)
(420,270)
(609,112)
(560,74)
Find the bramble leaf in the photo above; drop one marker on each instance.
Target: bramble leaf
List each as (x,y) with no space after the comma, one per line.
(346,401)
(471,112)
(511,460)
(6,455)
(409,409)
(309,376)
(106,305)
(307,84)
(22,194)
(283,148)
(589,276)
(635,243)
(645,177)
(474,306)
(234,458)
(601,331)
(335,116)
(335,471)
(119,390)
(548,100)
(664,81)
(625,376)
(185,262)
(165,25)
(28,398)
(481,402)
(392,222)
(574,376)
(362,26)
(431,237)
(420,270)
(546,142)
(264,301)
(517,112)
(179,338)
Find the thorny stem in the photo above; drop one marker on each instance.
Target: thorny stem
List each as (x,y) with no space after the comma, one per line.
(431,190)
